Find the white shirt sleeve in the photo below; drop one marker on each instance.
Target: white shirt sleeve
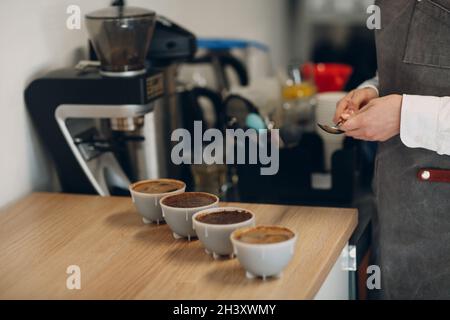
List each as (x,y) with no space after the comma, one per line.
(373,83)
(425,123)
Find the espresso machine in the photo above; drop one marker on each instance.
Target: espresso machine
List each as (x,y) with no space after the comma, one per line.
(107,121)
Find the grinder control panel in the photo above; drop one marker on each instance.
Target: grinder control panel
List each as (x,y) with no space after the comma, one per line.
(154,86)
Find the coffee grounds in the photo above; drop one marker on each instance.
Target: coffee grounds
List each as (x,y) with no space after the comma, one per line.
(225,217)
(265,235)
(157,187)
(189,200)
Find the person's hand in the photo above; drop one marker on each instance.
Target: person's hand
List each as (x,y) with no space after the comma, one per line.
(379,120)
(352,102)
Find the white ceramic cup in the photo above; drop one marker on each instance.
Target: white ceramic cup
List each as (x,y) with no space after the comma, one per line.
(263,260)
(216,237)
(147,204)
(325,110)
(180,219)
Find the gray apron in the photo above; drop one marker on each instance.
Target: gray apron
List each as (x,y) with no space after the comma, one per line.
(412,227)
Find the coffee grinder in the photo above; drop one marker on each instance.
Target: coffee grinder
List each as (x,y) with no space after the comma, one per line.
(107,123)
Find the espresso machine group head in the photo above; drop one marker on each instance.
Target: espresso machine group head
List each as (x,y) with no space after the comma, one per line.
(105,122)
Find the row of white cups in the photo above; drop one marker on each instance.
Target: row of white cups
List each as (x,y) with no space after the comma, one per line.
(220,240)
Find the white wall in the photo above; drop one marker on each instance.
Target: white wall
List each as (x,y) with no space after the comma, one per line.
(34,39)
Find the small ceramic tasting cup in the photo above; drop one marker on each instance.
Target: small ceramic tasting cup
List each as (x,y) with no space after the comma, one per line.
(147,204)
(260,258)
(214,233)
(178,211)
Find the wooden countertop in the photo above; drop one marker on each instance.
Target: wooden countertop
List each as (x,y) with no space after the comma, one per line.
(121,258)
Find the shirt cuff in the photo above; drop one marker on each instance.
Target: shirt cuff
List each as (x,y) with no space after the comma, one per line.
(422,125)
(371,83)
(368,85)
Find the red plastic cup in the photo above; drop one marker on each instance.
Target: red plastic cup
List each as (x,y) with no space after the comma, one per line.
(328,76)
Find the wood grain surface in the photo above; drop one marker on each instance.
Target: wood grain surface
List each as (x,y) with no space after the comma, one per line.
(121,258)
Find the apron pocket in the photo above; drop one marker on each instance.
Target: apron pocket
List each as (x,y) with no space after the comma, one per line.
(428,40)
